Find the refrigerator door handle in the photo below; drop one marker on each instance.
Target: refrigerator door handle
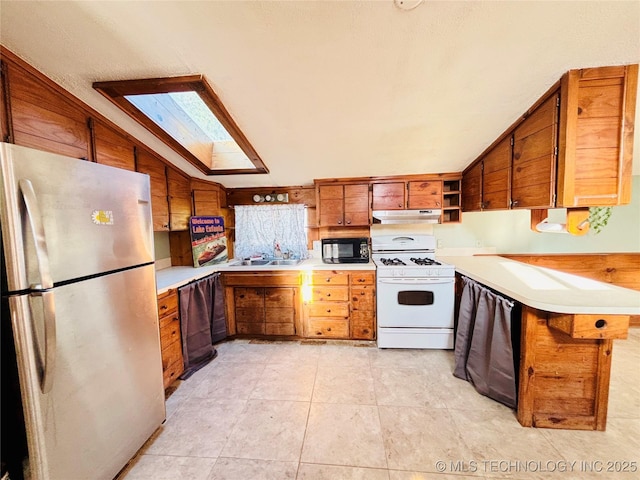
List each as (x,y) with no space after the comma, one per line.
(47,364)
(37,227)
(46,283)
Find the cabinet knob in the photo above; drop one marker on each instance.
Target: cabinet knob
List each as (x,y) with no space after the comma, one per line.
(328,279)
(348,222)
(328,294)
(339,222)
(164,307)
(514,203)
(399,205)
(328,329)
(328,310)
(437,204)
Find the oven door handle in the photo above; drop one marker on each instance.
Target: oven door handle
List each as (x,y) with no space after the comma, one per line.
(416,281)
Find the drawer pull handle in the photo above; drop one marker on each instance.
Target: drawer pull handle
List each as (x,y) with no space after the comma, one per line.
(164,307)
(600,324)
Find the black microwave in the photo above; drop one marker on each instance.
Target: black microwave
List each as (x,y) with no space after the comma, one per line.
(345,250)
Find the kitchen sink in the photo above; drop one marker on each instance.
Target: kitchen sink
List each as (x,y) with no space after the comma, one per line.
(289,262)
(254,263)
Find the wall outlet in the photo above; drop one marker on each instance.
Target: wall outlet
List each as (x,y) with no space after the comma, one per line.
(439,244)
(478,243)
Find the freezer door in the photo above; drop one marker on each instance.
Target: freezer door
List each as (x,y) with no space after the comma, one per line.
(106,396)
(87,218)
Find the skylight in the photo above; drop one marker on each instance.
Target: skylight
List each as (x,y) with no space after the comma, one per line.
(187,115)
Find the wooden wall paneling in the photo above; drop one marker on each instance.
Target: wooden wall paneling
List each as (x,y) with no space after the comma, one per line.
(42,118)
(112,148)
(6,130)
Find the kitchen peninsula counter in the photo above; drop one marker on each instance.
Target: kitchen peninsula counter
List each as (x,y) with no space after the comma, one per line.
(174,277)
(568,325)
(546,289)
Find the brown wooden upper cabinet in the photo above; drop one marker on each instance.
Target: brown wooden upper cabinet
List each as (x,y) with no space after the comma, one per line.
(412,194)
(343,205)
(389,196)
(424,194)
(572,148)
(157,170)
(179,190)
(496,173)
(534,157)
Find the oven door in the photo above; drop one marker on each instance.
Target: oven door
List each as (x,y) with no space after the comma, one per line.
(415,302)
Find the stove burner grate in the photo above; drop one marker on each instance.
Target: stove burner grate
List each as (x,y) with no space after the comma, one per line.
(425,261)
(392,261)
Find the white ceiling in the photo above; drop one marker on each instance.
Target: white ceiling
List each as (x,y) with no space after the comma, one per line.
(333,88)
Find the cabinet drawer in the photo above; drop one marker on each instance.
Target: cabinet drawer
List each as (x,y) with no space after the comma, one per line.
(591,326)
(322,293)
(172,372)
(329,279)
(168,318)
(363,278)
(328,309)
(331,328)
(170,332)
(167,303)
(171,354)
(362,298)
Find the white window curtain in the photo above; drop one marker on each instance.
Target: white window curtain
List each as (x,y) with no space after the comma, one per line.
(260,227)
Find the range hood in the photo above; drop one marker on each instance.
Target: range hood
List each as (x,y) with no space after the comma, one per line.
(407,216)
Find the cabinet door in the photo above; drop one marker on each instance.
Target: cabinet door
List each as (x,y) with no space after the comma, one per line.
(534,157)
(356,205)
(113,148)
(331,205)
(205,202)
(179,190)
(43,119)
(249,310)
(388,196)
(156,169)
(598,105)
(472,188)
(496,176)
(426,194)
(279,305)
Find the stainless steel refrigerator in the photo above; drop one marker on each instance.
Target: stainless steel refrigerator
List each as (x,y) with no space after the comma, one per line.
(78,289)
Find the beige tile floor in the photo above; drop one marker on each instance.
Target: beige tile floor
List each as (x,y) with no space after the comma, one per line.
(333,411)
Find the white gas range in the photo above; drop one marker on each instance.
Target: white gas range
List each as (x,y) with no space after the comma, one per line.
(415,293)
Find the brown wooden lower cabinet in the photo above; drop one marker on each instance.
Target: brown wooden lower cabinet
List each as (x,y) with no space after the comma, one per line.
(565,366)
(340,304)
(170,338)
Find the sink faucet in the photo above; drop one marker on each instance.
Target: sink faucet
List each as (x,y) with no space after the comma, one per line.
(277,251)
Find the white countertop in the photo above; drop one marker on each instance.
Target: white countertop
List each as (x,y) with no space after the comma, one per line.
(175,277)
(547,289)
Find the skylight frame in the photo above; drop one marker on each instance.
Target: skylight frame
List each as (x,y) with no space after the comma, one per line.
(116,92)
